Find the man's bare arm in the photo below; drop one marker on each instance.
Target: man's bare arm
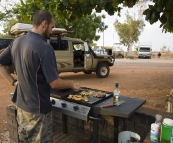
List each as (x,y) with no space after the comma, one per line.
(6,72)
(62,84)
(2,50)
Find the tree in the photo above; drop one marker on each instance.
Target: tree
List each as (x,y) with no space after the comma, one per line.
(86,27)
(68,10)
(6,12)
(8,24)
(163,48)
(161,10)
(83,28)
(129,31)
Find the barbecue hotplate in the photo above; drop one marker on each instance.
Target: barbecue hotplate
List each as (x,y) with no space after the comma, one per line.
(64,94)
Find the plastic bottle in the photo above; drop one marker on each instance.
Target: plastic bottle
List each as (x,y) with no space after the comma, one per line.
(166,128)
(116,93)
(171,140)
(154,132)
(158,120)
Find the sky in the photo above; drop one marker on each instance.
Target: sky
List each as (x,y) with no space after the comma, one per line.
(151,35)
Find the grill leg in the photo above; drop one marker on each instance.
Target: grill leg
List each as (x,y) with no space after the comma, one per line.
(64,123)
(116,122)
(95,130)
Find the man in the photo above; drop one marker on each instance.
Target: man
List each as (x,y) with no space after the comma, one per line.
(159,55)
(35,65)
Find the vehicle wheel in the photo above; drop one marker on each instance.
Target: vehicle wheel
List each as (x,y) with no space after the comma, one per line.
(87,72)
(102,70)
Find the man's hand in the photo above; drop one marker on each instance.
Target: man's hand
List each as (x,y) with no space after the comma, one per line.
(76,87)
(15,82)
(5,72)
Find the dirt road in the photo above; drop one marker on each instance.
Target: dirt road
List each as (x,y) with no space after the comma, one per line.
(149,79)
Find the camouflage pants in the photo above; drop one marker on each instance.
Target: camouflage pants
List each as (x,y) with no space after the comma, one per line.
(34,127)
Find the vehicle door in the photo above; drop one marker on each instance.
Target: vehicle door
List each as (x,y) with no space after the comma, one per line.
(64,56)
(4,42)
(88,57)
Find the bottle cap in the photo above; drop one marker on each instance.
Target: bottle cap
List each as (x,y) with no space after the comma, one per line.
(116,84)
(168,122)
(158,117)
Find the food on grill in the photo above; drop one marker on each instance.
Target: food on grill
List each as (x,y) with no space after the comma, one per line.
(99,94)
(84,95)
(78,97)
(70,96)
(87,92)
(85,98)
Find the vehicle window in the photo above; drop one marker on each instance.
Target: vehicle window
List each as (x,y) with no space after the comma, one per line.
(144,50)
(78,46)
(61,45)
(4,43)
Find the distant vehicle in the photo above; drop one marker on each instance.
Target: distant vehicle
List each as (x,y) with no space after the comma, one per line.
(144,51)
(100,51)
(117,50)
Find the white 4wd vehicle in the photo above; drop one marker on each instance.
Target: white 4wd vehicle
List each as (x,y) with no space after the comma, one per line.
(72,55)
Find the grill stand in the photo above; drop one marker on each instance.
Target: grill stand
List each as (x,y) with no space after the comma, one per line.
(64,123)
(116,123)
(95,129)
(95,138)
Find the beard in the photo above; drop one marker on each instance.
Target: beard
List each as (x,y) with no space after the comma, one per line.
(46,33)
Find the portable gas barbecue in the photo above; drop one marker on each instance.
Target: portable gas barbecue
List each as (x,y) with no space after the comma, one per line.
(79,109)
(92,110)
(91,99)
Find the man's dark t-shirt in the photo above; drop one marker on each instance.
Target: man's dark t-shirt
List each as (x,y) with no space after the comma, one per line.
(35,64)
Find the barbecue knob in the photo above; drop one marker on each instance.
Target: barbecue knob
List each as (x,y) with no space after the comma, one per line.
(75,108)
(53,102)
(63,104)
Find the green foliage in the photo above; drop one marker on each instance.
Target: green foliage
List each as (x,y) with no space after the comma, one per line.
(67,11)
(85,28)
(6,36)
(162,10)
(8,24)
(129,31)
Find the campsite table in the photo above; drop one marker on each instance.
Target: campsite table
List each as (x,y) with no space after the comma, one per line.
(124,110)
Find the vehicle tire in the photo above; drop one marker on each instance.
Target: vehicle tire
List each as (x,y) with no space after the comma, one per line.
(102,70)
(87,72)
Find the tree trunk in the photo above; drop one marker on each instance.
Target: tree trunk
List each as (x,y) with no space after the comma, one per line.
(130,50)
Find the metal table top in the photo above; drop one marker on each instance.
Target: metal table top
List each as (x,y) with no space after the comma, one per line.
(126,109)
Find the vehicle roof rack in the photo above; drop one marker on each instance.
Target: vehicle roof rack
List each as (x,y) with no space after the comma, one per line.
(20,28)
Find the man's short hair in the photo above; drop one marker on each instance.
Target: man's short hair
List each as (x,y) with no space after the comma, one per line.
(41,16)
